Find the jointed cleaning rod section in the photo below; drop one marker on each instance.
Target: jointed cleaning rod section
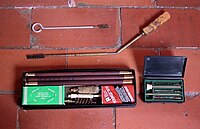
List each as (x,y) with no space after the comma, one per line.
(145,31)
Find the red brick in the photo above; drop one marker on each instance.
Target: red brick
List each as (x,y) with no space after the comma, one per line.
(14,27)
(184,3)
(116,3)
(160,116)
(192,73)
(181,30)
(79,37)
(8,112)
(32,2)
(14,62)
(66,118)
(129,58)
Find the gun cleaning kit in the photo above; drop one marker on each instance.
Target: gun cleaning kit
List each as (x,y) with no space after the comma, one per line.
(145,31)
(80,88)
(163,79)
(68,88)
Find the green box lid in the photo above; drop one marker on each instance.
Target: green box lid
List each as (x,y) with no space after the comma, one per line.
(43,95)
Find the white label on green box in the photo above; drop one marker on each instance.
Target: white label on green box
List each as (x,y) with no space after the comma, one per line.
(43,95)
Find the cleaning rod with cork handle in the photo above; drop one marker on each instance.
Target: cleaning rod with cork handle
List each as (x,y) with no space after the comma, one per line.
(145,31)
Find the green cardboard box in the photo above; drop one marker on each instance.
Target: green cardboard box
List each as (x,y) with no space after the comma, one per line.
(43,95)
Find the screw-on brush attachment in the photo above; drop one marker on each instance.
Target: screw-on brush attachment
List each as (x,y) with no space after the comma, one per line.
(101,26)
(35,56)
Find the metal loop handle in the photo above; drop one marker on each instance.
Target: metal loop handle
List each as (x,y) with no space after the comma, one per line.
(37,30)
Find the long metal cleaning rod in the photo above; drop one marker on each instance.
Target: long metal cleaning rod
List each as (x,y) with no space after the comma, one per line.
(145,31)
(41,27)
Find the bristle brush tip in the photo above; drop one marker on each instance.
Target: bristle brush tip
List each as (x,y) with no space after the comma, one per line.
(35,56)
(103,26)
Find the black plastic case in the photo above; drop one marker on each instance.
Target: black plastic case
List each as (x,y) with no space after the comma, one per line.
(163,79)
(80,106)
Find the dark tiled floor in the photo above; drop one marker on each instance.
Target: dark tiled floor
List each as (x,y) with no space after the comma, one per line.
(178,37)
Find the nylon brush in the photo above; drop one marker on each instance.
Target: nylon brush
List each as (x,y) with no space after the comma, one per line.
(145,31)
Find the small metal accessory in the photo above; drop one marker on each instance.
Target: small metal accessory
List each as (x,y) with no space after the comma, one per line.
(82,96)
(150,86)
(80,101)
(86,89)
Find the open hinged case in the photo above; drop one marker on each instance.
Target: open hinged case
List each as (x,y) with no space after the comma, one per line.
(163,79)
(78,88)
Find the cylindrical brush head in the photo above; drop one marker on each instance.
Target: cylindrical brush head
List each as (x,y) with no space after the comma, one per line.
(35,56)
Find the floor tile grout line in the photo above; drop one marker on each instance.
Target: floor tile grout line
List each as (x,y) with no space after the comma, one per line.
(67,61)
(30,33)
(90,48)
(120,28)
(17,119)
(155,2)
(114,118)
(7,92)
(158,51)
(102,6)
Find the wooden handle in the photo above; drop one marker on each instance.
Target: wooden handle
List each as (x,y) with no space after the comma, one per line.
(157,22)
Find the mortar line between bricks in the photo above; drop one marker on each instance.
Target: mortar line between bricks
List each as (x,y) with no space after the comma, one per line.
(7,92)
(101,6)
(17,119)
(30,32)
(119,43)
(114,118)
(90,48)
(158,50)
(67,61)
(141,7)
(155,2)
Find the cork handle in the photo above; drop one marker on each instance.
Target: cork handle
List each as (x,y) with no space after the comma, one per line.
(157,22)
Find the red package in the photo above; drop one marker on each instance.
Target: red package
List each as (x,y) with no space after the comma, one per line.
(118,94)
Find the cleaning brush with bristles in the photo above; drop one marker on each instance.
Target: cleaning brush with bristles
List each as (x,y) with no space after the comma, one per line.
(145,31)
(38,27)
(38,56)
